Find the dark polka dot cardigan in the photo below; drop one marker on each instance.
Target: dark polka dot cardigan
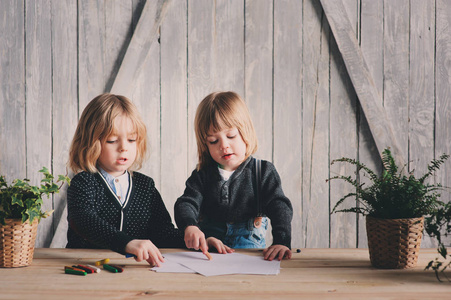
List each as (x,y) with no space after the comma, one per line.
(97,219)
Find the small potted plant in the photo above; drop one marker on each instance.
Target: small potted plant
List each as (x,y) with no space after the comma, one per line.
(438,225)
(394,204)
(20,213)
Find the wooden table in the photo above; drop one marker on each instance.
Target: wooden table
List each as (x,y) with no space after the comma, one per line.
(314,273)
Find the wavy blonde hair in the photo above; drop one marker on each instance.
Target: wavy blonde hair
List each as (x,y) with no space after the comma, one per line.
(219,111)
(96,124)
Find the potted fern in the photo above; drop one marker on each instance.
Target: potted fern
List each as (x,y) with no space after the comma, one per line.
(394,204)
(20,213)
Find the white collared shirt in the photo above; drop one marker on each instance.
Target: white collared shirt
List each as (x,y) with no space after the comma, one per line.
(119,184)
(225,174)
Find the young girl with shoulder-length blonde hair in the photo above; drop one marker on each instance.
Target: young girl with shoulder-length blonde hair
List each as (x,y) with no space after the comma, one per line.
(109,206)
(220,207)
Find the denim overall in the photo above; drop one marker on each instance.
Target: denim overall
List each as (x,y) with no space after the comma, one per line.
(237,235)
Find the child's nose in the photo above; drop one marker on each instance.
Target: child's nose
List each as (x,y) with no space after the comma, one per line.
(123,147)
(224,144)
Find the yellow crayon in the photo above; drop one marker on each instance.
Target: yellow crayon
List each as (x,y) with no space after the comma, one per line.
(208,255)
(102,262)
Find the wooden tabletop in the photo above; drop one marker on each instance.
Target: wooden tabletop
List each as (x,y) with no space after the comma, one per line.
(313,273)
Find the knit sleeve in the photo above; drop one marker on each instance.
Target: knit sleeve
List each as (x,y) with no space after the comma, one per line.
(276,205)
(83,217)
(187,207)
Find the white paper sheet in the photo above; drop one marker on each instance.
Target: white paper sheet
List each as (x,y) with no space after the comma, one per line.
(221,264)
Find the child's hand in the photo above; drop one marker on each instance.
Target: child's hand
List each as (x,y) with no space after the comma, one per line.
(219,245)
(279,251)
(145,250)
(195,239)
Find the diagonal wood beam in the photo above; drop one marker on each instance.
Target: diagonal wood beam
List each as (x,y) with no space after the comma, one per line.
(145,34)
(369,98)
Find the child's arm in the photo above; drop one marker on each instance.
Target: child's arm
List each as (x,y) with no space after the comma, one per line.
(145,250)
(276,206)
(187,207)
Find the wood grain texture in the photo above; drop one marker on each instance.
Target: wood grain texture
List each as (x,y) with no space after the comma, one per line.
(229,46)
(65,105)
(421,90)
(343,128)
(363,84)
(443,91)
(279,55)
(38,93)
(372,45)
(146,97)
(312,274)
(91,51)
(288,39)
(202,64)
(315,126)
(258,69)
(12,98)
(118,33)
(396,72)
(145,34)
(173,104)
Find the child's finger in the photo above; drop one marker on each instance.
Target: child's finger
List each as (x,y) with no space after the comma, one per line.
(203,245)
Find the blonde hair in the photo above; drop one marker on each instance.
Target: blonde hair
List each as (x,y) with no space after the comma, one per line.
(96,124)
(218,111)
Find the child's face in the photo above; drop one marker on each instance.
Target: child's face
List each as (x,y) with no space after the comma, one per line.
(119,150)
(227,148)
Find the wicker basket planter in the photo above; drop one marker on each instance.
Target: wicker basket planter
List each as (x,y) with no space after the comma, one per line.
(394,243)
(17,243)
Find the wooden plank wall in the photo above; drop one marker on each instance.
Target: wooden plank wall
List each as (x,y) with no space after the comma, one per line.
(280,55)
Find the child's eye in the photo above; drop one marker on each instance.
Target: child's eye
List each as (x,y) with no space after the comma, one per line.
(212,142)
(132,140)
(232,137)
(111,141)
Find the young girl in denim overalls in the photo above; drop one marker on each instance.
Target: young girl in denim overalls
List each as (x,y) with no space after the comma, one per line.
(219,206)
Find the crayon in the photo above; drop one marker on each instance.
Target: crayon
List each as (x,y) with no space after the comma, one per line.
(128,255)
(74,272)
(97,270)
(73,268)
(208,255)
(119,269)
(87,270)
(110,268)
(102,262)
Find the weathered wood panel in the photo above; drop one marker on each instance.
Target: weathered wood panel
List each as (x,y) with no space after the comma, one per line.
(173,104)
(288,39)
(281,56)
(371,43)
(64,106)
(202,64)
(91,51)
(12,97)
(315,126)
(396,69)
(443,91)
(38,93)
(343,136)
(421,89)
(258,66)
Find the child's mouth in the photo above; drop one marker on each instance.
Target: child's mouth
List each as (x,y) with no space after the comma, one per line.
(227,156)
